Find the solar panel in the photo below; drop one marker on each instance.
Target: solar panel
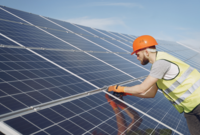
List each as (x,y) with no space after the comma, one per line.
(53,76)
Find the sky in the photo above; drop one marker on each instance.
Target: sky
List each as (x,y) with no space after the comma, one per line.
(172,20)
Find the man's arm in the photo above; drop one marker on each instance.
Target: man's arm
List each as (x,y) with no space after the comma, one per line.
(147,89)
(149,93)
(143,87)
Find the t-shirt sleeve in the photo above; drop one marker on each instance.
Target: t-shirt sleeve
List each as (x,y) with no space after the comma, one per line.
(159,68)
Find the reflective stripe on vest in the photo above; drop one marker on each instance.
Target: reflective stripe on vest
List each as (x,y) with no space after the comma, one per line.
(187,93)
(179,81)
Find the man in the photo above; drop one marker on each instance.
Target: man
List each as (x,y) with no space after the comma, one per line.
(179,82)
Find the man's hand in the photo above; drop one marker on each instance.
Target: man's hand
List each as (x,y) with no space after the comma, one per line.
(116,88)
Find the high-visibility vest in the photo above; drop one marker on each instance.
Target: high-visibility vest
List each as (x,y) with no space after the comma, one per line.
(183,91)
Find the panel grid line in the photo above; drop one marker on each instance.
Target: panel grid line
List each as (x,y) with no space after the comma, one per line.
(104,40)
(99,46)
(74,115)
(162,119)
(111,37)
(103,122)
(67,43)
(144,113)
(56,29)
(51,61)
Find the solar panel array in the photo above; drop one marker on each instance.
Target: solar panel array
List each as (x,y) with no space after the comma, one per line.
(53,76)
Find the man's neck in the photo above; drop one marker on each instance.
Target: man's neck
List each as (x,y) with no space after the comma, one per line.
(152,57)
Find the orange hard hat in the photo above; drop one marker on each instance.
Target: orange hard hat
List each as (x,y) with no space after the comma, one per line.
(142,42)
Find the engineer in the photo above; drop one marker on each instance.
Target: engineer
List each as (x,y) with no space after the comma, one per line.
(179,82)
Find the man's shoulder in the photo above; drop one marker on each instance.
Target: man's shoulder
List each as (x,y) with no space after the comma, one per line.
(159,68)
(161,61)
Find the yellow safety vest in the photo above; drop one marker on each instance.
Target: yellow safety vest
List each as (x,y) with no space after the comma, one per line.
(183,91)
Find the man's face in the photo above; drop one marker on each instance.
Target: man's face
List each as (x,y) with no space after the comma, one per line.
(141,57)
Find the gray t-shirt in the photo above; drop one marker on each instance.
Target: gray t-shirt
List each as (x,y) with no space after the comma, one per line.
(159,68)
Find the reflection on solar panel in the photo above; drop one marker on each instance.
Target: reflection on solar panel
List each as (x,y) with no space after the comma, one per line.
(53,76)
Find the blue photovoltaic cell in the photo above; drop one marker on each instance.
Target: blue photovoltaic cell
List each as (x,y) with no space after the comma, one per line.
(123,36)
(35,38)
(71,27)
(126,46)
(34,19)
(24,127)
(87,67)
(112,41)
(177,52)
(130,37)
(110,35)
(112,45)
(5,41)
(130,68)
(94,32)
(43,133)
(109,120)
(193,61)
(36,82)
(119,37)
(76,41)
(7,16)
(67,37)
(42,39)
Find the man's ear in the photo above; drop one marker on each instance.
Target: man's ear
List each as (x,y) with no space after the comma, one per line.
(146,53)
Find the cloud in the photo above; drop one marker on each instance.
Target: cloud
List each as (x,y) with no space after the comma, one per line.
(101,23)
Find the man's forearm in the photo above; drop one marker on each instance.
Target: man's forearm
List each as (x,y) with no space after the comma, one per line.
(137,89)
(150,93)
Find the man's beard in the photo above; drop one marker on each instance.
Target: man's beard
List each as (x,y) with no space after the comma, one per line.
(145,61)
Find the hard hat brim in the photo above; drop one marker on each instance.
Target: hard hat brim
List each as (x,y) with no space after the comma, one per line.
(132,53)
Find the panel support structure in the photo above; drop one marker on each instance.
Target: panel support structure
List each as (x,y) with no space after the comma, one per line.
(4,128)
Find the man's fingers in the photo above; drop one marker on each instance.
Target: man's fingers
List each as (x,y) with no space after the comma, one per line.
(111,88)
(116,88)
